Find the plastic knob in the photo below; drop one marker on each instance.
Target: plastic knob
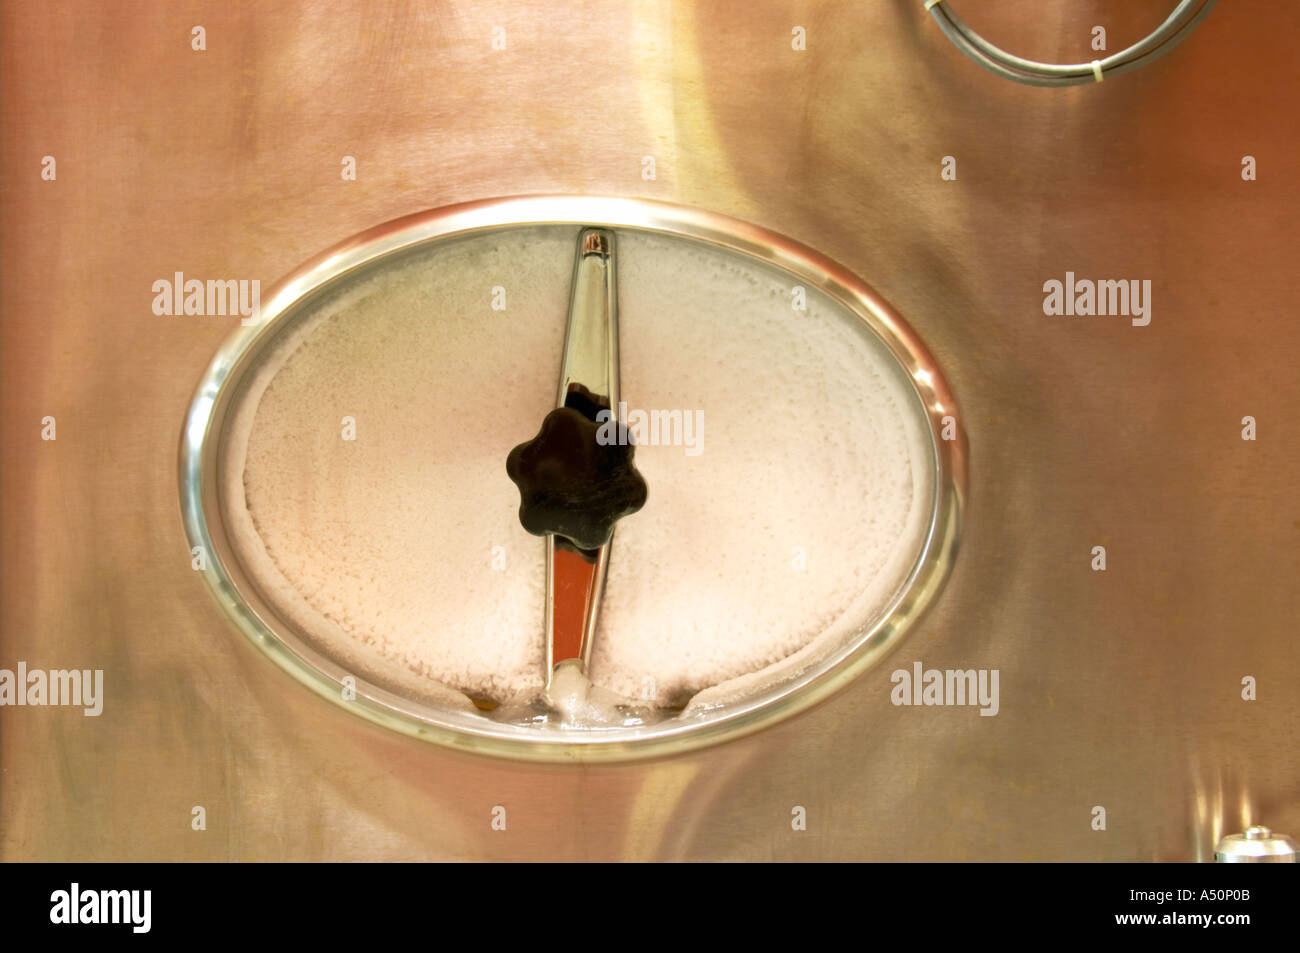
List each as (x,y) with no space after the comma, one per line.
(573,484)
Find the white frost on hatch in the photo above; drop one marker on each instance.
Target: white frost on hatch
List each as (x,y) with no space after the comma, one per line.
(401,553)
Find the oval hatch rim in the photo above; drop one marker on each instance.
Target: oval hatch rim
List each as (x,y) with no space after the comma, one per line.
(204,525)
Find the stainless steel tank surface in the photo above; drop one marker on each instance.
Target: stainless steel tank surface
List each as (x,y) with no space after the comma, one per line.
(1103,274)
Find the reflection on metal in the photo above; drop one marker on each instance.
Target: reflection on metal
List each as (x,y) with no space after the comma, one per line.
(201,450)
(1121,688)
(575,580)
(1258,845)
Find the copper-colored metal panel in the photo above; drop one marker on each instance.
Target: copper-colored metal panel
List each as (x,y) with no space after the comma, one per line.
(1119,688)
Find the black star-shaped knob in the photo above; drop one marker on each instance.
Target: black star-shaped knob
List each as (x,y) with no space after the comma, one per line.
(573,484)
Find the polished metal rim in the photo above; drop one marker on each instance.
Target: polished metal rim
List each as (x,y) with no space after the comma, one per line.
(1185,17)
(201,511)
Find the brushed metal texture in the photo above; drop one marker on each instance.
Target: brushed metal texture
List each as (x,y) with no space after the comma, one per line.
(1118,688)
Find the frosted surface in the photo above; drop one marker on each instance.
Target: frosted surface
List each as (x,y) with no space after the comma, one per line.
(790,524)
